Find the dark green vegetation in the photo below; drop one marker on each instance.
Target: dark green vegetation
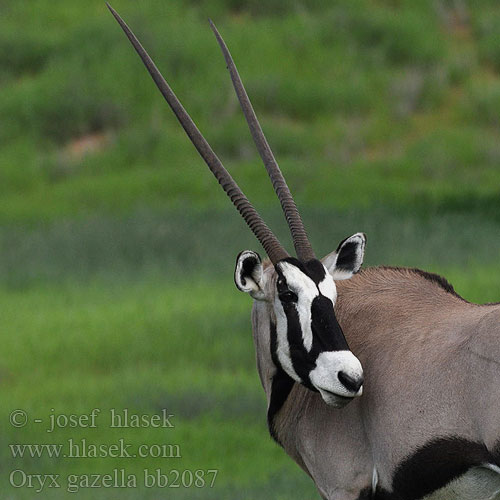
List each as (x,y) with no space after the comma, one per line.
(117,246)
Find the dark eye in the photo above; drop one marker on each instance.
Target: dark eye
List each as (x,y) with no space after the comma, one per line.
(288,296)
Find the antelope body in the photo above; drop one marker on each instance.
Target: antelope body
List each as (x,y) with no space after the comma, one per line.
(428,423)
(426,361)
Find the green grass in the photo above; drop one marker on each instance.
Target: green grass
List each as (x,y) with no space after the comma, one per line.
(133,347)
(176,335)
(376,100)
(174,246)
(117,247)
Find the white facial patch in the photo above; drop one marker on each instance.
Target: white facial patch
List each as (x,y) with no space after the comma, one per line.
(325,376)
(306,291)
(327,287)
(282,348)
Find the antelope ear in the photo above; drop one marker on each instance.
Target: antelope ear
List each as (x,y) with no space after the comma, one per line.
(248,274)
(348,257)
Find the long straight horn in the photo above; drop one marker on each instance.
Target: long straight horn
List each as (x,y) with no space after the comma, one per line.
(300,240)
(270,243)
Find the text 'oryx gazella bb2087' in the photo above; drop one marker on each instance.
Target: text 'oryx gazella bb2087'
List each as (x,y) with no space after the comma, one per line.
(428,423)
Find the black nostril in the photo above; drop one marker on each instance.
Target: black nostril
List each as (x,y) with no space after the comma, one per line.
(350,383)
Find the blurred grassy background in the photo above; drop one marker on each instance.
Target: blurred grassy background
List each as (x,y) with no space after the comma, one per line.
(117,247)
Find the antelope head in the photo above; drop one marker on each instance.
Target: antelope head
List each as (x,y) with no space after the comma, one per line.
(310,346)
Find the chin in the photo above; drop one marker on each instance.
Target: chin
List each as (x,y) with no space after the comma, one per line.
(334,400)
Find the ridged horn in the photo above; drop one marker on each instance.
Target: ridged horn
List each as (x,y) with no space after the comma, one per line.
(268,240)
(299,235)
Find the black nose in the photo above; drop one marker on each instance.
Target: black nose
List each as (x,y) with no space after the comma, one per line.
(350,383)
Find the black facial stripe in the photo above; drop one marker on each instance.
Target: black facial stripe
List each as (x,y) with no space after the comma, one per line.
(295,262)
(281,283)
(435,464)
(327,334)
(274,344)
(316,271)
(294,330)
(302,361)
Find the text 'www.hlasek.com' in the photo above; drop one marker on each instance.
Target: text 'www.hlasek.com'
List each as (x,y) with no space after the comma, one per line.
(124,453)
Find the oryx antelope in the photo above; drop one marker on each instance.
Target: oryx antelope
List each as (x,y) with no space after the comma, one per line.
(428,423)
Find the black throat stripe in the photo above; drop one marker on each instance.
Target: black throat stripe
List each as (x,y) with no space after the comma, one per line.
(281,387)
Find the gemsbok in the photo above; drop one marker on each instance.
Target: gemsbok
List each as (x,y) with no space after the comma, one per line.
(428,423)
